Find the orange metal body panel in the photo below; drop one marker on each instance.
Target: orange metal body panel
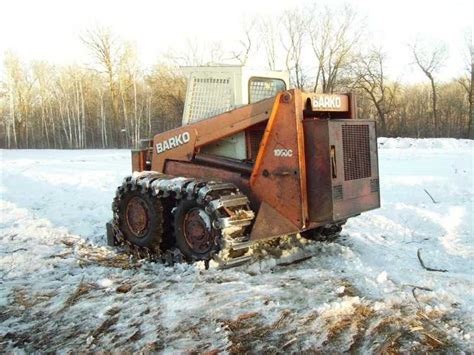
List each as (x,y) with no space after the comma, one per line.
(138,160)
(279,171)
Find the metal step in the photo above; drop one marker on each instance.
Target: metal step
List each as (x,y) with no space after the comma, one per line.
(229,201)
(233,222)
(238,245)
(226,264)
(214,187)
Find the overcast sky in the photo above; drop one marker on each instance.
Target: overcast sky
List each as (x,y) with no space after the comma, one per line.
(50,29)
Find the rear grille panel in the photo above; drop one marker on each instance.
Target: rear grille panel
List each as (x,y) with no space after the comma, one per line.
(356,147)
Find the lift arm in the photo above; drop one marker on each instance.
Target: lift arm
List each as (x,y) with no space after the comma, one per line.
(182,143)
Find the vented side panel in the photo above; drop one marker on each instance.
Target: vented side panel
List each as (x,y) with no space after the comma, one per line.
(341,166)
(356,150)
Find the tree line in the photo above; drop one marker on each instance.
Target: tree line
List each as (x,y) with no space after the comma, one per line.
(113,106)
(116,101)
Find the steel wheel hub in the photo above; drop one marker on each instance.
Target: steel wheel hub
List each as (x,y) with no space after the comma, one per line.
(198,231)
(137,216)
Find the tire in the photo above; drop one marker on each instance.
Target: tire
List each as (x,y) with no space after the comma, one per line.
(140,218)
(323,234)
(312,234)
(195,235)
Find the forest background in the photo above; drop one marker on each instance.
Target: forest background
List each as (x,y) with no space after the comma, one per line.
(113,100)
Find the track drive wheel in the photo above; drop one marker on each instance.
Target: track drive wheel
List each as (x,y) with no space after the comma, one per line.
(323,234)
(195,235)
(140,217)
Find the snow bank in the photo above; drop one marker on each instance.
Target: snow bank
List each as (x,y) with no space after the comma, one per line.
(425,143)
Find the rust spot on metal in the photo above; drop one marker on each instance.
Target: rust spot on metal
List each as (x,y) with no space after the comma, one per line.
(197,230)
(136,215)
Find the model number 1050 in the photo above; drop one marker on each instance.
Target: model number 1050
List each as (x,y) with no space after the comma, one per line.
(283,152)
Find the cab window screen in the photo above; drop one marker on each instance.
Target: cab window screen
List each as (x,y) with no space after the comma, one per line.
(263,88)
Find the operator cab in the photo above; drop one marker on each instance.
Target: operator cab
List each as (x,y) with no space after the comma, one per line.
(213,90)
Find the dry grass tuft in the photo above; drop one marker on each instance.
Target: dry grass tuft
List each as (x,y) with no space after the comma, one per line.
(282,320)
(413,331)
(354,322)
(62,255)
(310,318)
(21,298)
(82,289)
(240,322)
(391,345)
(69,242)
(99,256)
(244,331)
(349,289)
(363,316)
(103,328)
(136,336)
(112,311)
(248,331)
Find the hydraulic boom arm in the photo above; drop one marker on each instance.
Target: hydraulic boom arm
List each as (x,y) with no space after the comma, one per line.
(181,143)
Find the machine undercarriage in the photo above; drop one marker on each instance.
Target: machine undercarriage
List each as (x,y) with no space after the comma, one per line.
(199,220)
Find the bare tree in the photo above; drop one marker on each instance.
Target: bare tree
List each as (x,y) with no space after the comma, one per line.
(293,39)
(10,84)
(42,73)
(246,43)
(467,82)
(430,61)
(19,87)
(370,77)
(334,36)
(196,53)
(107,51)
(268,37)
(167,89)
(128,74)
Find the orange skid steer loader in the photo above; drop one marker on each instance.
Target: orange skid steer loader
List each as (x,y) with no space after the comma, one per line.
(253,161)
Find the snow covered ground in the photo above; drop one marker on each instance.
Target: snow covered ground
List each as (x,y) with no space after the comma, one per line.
(63,289)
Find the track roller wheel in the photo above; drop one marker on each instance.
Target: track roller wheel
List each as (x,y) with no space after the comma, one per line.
(140,218)
(195,235)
